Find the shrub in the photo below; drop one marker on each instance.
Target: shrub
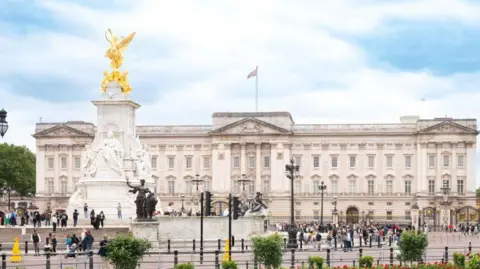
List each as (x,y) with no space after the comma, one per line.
(366,262)
(474,262)
(459,259)
(229,265)
(412,247)
(268,250)
(126,252)
(315,262)
(184,266)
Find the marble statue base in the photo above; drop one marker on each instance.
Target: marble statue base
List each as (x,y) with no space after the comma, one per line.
(146,229)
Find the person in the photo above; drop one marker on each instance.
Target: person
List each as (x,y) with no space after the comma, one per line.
(92,217)
(102,218)
(54,244)
(48,246)
(119,211)
(63,221)
(102,252)
(85,210)
(71,251)
(68,241)
(55,222)
(75,218)
(88,241)
(36,239)
(97,222)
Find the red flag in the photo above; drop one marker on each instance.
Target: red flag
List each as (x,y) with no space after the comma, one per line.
(253,73)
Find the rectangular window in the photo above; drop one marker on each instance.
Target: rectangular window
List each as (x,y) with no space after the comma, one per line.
(236,161)
(389,161)
(371,161)
(446,160)
(315,185)
(154,162)
(251,188)
(408,187)
(50,163)
(371,203)
(446,183)
(78,162)
(63,163)
(298,187)
(389,215)
(189,186)
(251,162)
(266,186)
(316,214)
(352,187)
(171,187)
(236,187)
(371,214)
(207,185)
(297,214)
(460,186)
(407,215)
(389,203)
(389,186)
(408,161)
(50,187)
(371,187)
(334,187)
(63,187)
(431,161)
(188,162)
(460,160)
(266,161)
(206,162)
(353,161)
(334,161)
(171,162)
(431,187)
(298,160)
(316,161)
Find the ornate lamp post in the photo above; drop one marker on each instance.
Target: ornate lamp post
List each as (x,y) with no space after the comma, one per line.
(322,189)
(291,171)
(197,180)
(244,181)
(3,122)
(8,190)
(445,204)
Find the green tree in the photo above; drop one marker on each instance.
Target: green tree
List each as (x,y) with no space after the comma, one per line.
(412,246)
(478,192)
(268,250)
(17,168)
(126,252)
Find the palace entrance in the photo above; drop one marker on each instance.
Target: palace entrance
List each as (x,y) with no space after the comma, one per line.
(352,215)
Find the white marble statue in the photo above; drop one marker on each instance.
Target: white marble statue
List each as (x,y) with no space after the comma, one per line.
(77,199)
(112,152)
(143,166)
(88,166)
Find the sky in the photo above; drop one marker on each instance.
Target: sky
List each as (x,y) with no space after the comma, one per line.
(331,61)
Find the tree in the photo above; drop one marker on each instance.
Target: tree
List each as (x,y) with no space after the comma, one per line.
(126,252)
(268,250)
(412,246)
(17,168)
(478,192)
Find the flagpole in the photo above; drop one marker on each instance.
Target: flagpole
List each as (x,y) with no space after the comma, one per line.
(256,91)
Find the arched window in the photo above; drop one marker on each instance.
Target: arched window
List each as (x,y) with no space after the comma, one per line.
(171,185)
(63,185)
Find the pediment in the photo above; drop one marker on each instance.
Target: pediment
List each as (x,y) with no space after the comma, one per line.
(61,130)
(250,126)
(448,127)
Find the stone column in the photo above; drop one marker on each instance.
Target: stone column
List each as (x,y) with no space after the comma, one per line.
(453,168)
(258,168)
(438,167)
(40,168)
(414,216)
(70,163)
(56,169)
(243,163)
(471,168)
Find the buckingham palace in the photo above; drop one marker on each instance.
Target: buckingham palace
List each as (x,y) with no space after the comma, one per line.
(372,172)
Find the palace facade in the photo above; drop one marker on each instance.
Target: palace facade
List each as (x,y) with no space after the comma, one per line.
(374,172)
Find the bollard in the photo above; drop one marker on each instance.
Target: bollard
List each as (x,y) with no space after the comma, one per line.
(470,247)
(26,247)
(175,257)
(328,257)
(4,261)
(335,241)
(168,246)
(370,241)
(303,264)
(217,264)
(378,262)
(360,253)
(243,245)
(379,242)
(354,264)
(446,254)
(360,237)
(255,262)
(390,241)
(90,259)
(0,247)
(293,258)
(48,261)
(284,243)
(193,242)
(219,244)
(391,256)
(301,244)
(246,265)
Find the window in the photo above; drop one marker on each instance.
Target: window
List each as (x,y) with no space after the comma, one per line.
(251,162)
(389,187)
(407,203)
(446,160)
(371,161)
(389,203)
(171,187)
(236,162)
(334,161)
(352,187)
(431,160)
(297,214)
(63,162)
(316,214)
(371,187)
(189,186)
(431,187)
(389,161)
(408,161)
(408,187)
(63,187)
(298,160)
(188,162)
(298,186)
(251,187)
(334,187)
(78,162)
(266,186)
(50,163)
(460,160)
(316,161)
(207,185)
(370,203)
(206,162)
(460,186)
(266,161)
(50,187)
(446,183)
(371,214)
(236,187)
(407,215)
(154,162)
(353,161)
(316,183)
(171,162)
(389,215)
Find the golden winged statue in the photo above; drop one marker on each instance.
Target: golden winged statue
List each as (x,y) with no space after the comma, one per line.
(114,53)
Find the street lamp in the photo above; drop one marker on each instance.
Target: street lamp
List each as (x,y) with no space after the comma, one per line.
(8,190)
(197,180)
(322,189)
(243,181)
(292,171)
(3,122)
(183,208)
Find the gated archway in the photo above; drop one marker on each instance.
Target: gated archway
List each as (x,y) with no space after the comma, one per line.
(352,215)
(219,207)
(430,216)
(467,214)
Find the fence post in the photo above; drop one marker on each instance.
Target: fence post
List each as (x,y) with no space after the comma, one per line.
(168,246)
(379,241)
(4,261)
(353,264)
(335,242)
(217,264)
(293,258)
(301,244)
(26,247)
(360,254)
(0,247)
(470,247)
(446,254)
(193,245)
(90,259)
(175,257)
(391,256)
(328,257)
(255,262)
(48,260)
(360,237)
(284,243)
(371,241)
(243,245)
(219,244)
(390,241)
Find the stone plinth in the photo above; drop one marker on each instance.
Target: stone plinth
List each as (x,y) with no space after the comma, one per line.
(146,229)
(213,227)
